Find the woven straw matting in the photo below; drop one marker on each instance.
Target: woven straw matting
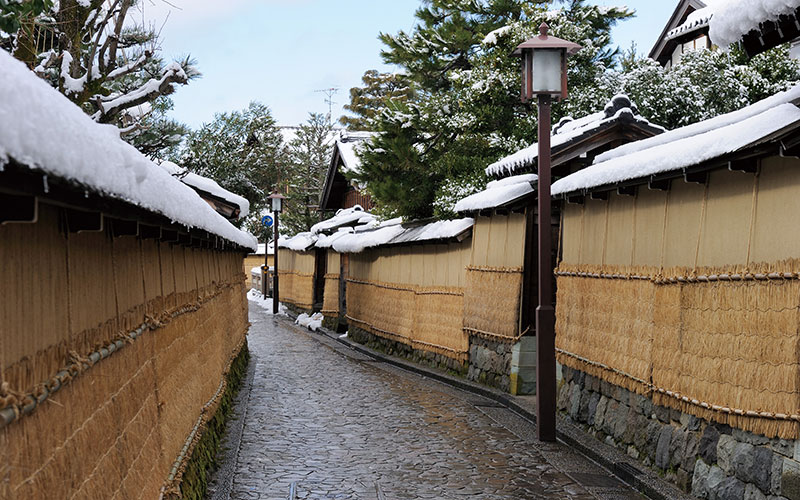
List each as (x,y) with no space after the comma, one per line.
(296,288)
(721,344)
(330,303)
(426,318)
(116,425)
(492,302)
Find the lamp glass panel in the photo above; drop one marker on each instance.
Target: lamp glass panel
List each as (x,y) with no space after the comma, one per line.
(547,70)
(276,205)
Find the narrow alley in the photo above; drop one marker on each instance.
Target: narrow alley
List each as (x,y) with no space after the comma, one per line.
(332,423)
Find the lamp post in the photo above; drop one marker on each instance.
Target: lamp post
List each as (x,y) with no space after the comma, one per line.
(276,199)
(544,74)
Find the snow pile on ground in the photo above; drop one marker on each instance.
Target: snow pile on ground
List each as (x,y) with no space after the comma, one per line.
(42,129)
(498,193)
(265,303)
(208,185)
(313,322)
(730,20)
(684,151)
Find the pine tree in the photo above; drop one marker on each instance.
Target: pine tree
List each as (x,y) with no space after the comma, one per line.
(380,91)
(308,156)
(467,112)
(93,53)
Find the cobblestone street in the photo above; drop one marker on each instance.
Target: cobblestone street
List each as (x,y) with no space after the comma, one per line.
(342,426)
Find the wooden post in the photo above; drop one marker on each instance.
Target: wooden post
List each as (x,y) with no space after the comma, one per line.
(275,292)
(545,314)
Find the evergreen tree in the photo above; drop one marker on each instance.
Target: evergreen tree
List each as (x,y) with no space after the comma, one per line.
(380,90)
(308,156)
(243,152)
(704,84)
(467,112)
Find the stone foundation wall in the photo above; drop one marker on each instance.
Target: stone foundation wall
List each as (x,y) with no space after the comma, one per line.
(490,362)
(394,348)
(708,460)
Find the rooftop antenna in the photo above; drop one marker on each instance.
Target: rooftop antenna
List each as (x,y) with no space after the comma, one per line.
(329,93)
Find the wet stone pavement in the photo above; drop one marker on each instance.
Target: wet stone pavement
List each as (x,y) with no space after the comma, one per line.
(339,425)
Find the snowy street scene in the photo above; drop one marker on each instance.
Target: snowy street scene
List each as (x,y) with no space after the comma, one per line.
(412,249)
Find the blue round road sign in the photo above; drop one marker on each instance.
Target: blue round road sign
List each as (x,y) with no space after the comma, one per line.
(267,220)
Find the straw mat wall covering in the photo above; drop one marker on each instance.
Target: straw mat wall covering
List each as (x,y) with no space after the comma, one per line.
(330,304)
(296,278)
(123,342)
(492,302)
(718,343)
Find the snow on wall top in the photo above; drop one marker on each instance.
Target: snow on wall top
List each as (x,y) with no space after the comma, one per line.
(498,193)
(326,241)
(730,20)
(717,122)
(42,129)
(684,151)
(208,185)
(299,242)
(343,217)
(395,233)
(262,247)
(619,108)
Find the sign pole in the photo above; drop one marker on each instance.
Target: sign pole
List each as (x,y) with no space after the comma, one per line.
(275,294)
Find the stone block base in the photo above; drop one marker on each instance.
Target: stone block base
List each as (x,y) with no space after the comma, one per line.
(709,460)
(394,348)
(490,362)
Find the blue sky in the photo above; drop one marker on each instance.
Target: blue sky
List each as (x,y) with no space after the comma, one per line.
(280,52)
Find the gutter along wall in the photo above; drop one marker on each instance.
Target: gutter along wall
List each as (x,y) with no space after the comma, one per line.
(165,321)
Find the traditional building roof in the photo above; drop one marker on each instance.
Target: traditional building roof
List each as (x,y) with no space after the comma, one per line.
(343,160)
(759,26)
(585,137)
(44,136)
(682,23)
(227,204)
(733,140)
(506,192)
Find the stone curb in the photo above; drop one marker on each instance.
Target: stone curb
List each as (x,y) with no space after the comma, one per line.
(615,461)
(228,455)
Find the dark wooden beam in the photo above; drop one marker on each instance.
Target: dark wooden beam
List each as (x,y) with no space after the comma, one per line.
(122,227)
(149,232)
(658,184)
(576,199)
(79,221)
(626,190)
(169,236)
(695,177)
(599,195)
(748,165)
(18,208)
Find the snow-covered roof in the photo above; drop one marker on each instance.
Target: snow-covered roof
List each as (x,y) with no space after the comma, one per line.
(498,193)
(618,110)
(326,241)
(344,217)
(42,130)
(696,20)
(346,143)
(210,186)
(730,20)
(300,242)
(688,146)
(395,234)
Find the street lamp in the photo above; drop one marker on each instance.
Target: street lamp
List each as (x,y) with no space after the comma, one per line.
(544,74)
(276,200)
